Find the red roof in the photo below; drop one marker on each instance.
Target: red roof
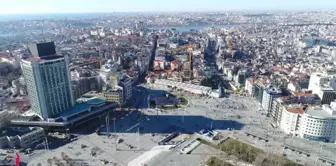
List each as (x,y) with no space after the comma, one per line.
(175,62)
(264,81)
(33,58)
(295,110)
(279,69)
(302,94)
(284,99)
(4,55)
(159,60)
(156,68)
(252,80)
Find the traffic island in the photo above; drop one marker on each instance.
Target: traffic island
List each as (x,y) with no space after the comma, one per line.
(183,101)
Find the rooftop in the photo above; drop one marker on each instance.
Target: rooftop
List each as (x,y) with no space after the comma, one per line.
(44,58)
(302,94)
(83,106)
(76,109)
(91,94)
(175,62)
(273,91)
(326,88)
(283,99)
(252,80)
(14,131)
(295,110)
(319,112)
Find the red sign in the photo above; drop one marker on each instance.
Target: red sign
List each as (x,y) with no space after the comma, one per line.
(17,159)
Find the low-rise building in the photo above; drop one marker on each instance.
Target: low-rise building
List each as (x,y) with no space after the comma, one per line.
(303,97)
(21,137)
(114,94)
(197,89)
(6,117)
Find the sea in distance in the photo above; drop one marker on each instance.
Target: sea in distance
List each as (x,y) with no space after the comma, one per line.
(190,27)
(56,16)
(21,17)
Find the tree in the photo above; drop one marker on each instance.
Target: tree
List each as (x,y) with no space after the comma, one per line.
(56,160)
(63,155)
(49,162)
(207,82)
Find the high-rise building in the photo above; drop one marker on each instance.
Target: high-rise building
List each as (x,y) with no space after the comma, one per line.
(42,49)
(240,78)
(48,82)
(326,94)
(126,84)
(250,86)
(327,77)
(318,123)
(258,89)
(291,118)
(268,96)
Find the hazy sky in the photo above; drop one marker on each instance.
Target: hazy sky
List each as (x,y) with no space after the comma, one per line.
(78,6)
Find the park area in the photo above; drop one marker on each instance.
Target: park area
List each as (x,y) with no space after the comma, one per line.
(246,153)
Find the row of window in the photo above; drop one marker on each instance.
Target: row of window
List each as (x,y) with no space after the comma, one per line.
(317,133)
(320,121)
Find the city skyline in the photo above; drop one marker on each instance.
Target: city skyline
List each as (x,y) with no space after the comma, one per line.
(90,6)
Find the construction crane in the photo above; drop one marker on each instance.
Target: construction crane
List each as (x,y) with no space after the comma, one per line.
(189,48)
(7,156)
(190,58)
(228,43)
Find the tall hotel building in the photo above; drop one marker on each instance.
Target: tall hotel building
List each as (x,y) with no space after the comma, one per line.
(48,80)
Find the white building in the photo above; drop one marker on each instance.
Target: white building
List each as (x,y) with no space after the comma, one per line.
(268,96)
(249,85)
(319,124)
(48,81)
(326,93)
(160,63)
(293,86)
(197,89)
(28,139)
(314,123)
(327,77)
(290,119)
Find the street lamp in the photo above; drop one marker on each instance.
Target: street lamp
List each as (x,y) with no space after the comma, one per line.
(321,146)
(211,125)
(206,114)
(107,124)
